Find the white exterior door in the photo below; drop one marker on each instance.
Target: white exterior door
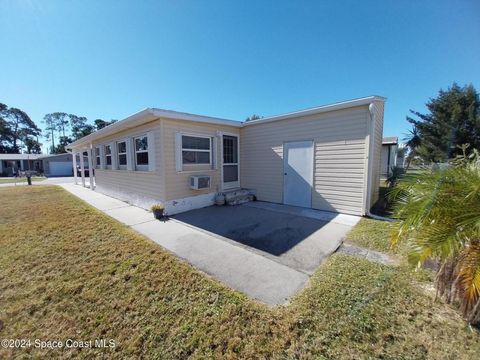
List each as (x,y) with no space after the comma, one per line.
(298,173)
(230,162)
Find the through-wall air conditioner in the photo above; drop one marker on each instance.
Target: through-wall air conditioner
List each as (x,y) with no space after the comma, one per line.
(198,182)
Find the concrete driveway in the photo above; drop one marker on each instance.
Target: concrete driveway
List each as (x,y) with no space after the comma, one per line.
(286,234)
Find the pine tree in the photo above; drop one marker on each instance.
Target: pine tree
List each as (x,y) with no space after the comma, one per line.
(454,120)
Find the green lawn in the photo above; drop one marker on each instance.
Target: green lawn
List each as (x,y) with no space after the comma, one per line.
(371,234)
(20,179)
(84,276)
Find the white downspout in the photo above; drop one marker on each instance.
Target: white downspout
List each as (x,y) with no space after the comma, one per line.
(372,109)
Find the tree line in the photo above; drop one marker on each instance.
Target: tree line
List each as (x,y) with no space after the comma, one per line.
(19,133)
(66,128)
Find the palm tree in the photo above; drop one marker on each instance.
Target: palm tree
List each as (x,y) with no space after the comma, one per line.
(412,141)
(439,213)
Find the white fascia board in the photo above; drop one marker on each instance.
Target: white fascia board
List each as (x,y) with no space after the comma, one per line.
(145,116)
(151,114)
(169,114)
(318,110)
(127,123)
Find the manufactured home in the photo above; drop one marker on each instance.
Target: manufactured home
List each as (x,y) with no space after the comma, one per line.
(326,158)
(11,164)
(48,165)
(388,157)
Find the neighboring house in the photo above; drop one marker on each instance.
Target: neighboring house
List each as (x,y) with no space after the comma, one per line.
(389,155)
(401,155)
(11,164)
(325,158)
(49,165)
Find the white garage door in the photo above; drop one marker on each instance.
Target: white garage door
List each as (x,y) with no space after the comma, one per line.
(60,168)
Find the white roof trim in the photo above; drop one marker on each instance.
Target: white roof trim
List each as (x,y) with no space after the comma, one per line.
(127,123)
(145,116)
(197,118)
(318,110)
(151,114)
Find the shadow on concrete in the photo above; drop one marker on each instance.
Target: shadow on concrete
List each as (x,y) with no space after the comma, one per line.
(272,232)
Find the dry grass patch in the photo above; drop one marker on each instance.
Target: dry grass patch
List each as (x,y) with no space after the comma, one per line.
(68,271)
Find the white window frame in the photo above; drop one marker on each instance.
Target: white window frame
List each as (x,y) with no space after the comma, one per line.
(143,167)
(107,155)
(120,166)
(98,158)
(209,151)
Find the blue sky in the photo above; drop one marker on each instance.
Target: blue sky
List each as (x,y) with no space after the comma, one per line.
(109,59)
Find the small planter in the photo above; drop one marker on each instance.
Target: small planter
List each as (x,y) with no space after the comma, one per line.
(158,214)
(220,199)
(158,211)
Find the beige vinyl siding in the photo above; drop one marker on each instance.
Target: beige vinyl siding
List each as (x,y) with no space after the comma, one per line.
(377,151)
(177,185)
(339,157)
(139,188)
(142,188)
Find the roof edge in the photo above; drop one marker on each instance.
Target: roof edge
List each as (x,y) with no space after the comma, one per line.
(170,114)
(142,116)
(146,115)
(319,109)
(150,114)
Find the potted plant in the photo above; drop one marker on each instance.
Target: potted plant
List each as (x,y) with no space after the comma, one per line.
(157,210)
(220,199)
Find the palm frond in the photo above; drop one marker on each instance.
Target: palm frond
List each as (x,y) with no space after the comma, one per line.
(468,269)
(439,218)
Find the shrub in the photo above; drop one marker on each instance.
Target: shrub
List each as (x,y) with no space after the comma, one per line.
(157,207)
(439,213)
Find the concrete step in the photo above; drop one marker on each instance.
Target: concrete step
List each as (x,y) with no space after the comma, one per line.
(239,196)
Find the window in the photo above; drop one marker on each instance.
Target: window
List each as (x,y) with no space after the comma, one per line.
(196,150)
(97,157)
(141,153)
(230,149)
(122,154)
(108,155)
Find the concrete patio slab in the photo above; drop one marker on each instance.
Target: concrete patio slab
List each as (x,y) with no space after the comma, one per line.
(299,242)
(343,219)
